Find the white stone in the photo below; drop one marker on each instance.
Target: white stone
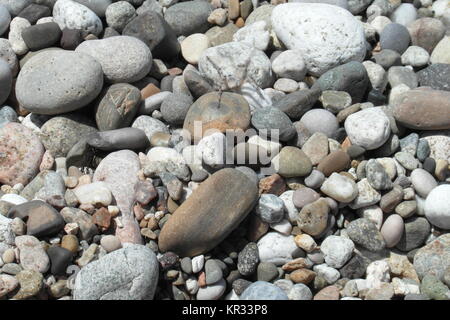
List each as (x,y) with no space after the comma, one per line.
(379,23)
(6,231)
(192,285)
(341,38)
(377,272)
(367,195)
(389,166)
(212,148)
(13,198)
(198,263)
(299,291)
(404,14)
(96,194)
(373,213)
(284,227)
(437,206)
(272,147)
(286,85)
(229,65)
(415,56)
(153,102)
(291,210)
(45,20)
(270,208)
(330,274)
(305,242)
(377,75)
(16,27)
(255,96)
(255,35)
(402,287)
(213,291)
(337,251)
(72,15)
(277,248)
(440,53)
(193,46)
(368,128)
(290,64)
(340,188)
(423,182)
(397,93)
(440,8)
(218,16)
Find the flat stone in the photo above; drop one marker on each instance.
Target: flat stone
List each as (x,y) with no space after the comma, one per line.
(336,161)
(261,290)
(239,201)
(32,254)
(313,218)
(365,233)
(417,230)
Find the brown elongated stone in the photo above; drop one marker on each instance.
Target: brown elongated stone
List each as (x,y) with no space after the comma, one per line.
(210,214)
(336,161)
(424,109)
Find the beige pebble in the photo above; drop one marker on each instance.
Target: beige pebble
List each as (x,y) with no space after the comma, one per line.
(8,256)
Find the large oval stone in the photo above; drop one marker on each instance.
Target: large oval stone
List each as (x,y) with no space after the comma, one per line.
(58,81)
(210,214)
(424,109)
(123,58)
(21,153)
(226,111)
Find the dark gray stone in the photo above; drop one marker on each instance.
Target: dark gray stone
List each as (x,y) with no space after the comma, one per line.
(365,233)
(189,17)
(350,77)
(416,231)
(71,38)
(435,76)
(267,271)
(297,103)
(124,138)
(395,37)
(60,259)
(175,107)
(41,36)
(197,85)
(34,12)
(274,119)
(387,58)
(154,31)
(248,259)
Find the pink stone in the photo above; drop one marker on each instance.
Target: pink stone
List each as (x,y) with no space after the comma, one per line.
(21,152)
(392,230)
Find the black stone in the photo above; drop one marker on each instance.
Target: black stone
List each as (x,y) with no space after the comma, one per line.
(41,36)
(376,97)
(71,38)
(350,77)
(154,31)
(60,258)
(429,164)
(34,12)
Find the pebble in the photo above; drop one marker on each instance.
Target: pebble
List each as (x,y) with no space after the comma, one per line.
(415,56)
(313,217)
(193,46)
(32,254)
(423,182)
(255,35)
(395,37)
(111,277)
(77,80)
(72,15)
(248,259)
(365,233)
(337,251)
(392,230)
(5,18)
(186,18)
(277,248)
(437,206)
(228,214)
(435,76)
(119,14)
(327,125)
(290,64)
(433,28)
(270,208)
(433,259)
(377,175)
(31,282)
(292,162)
(261,290)
(340,188)
(367,195)
(212,292)
(440,52)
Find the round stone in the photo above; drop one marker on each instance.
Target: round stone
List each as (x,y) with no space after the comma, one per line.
(435,76)
(423,182)
(395,37)
(392,230)
(320,120)
(303,196)
(342,40)
(175,107)
(188,17)
(193,46)
(76,80)
(118,15)
(292,162)
(368,128)
(123,58)
(426,32)
(415,56)
(437,206)
(290,64)
(225,111)
(277,248)
(337,250)
(365,233)
(273,122)
(340,188)
(313,218)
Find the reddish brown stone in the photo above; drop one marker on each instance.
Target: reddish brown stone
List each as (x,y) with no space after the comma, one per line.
(304,276)
(336,161)
(138,212)
(424,109)
(210,214)
(273,184)
(299,263)
(256,229)
(202,280)
(149,90)
(240,22)
(102,218)
(328,293)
